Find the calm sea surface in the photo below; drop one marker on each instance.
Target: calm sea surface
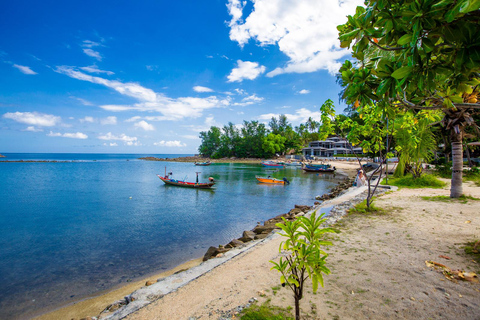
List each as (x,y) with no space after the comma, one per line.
(71,229)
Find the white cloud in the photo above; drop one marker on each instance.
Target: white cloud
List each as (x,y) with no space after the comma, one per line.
(33,129)
(83,101)
(144,125)
(174,143)
(245,70)
(94,69)
(111,144)
(249,100)
(87,119)
(129,141)
(24,69)
(202,89)
(300,116)
(34,118)
(304,30)
(109,120)
(76,135)
(91,44)
(304,91)
(133,119)
(149,100)
(92,53)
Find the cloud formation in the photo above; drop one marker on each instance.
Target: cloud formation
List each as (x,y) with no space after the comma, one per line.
(245,70)
(202,89)
(108,120)
(174,143)
(24,69)
(149,100)
(144,125)
(33,118)
(76,135)
(300,116)
(129,141)
(304,30)
(304,91)
(94,69)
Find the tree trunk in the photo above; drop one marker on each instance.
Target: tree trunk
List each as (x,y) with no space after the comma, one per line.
(470,164)
(297,308)
(457,166)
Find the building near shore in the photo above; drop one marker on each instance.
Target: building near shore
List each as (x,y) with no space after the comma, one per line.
(331,147)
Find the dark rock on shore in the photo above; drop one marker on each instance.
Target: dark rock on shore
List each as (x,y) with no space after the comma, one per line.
(257,233)
(336,191)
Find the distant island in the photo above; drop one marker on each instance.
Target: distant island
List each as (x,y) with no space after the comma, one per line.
(2,156)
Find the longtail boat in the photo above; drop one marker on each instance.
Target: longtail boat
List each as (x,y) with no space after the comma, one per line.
(167,179)
(318,168)
(207,163)
(272,164)
(272,180)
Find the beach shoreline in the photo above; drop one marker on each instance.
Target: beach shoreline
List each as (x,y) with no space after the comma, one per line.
(96,303)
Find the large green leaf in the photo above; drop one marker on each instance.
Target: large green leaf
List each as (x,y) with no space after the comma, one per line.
(406,38)
(402,72)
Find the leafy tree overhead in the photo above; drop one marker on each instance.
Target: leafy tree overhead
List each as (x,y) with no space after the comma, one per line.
(434,62)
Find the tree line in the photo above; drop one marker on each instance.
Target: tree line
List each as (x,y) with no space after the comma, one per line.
(256,140)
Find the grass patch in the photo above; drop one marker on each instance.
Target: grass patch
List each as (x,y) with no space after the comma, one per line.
(362,208)
(445,171)
(473,251)
(462,198)
(425,181)
(266,312)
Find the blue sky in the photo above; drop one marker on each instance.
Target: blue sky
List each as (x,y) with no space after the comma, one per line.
(148,76)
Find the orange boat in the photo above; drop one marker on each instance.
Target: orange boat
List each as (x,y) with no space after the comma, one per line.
(272,180)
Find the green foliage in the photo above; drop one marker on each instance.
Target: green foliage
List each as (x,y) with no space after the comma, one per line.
(265,312)
(408,181)
(306,259)
(415,141)
(273,143)
(362,208)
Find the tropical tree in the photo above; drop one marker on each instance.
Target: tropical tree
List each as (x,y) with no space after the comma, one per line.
(210,141)
(273,143)
(435,66)
(305,259)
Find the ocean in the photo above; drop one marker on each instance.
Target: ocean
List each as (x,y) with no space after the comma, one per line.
(90,222)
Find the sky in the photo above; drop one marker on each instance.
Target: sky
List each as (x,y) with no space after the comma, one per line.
(149,76)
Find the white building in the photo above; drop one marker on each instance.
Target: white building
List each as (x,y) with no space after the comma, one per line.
(332,147)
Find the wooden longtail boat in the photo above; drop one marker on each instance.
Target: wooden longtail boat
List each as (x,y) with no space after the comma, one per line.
(207,163)
(272,164)
(318,168)
(168,180)
(272,180)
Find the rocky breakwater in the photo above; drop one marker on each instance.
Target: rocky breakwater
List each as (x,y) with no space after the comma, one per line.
(335,192)
(257,233)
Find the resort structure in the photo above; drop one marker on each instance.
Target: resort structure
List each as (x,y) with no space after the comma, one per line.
(331,147)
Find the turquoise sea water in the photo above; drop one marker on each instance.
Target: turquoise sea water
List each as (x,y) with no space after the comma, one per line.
(71,229)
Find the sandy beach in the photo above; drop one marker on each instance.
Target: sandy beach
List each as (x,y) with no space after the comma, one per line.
(378,265)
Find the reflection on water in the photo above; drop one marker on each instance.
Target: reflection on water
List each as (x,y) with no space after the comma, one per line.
(68,230)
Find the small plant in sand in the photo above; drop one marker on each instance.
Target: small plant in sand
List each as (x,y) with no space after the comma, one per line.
(362,208)
(305,258)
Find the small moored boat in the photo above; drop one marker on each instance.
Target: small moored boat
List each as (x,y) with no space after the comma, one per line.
(318,168)
(272,164)
(167,179)
(206,163)
(272,180)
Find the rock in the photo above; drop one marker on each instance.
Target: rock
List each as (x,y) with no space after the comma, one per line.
(295,212)
(234,243)
(247,236)
(261,236)
(264,229)
(213,252)
(150,282)
(303,208)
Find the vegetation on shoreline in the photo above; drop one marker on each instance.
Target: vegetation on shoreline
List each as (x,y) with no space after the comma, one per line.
(408,181)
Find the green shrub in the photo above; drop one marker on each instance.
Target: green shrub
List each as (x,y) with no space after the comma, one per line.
(424,181)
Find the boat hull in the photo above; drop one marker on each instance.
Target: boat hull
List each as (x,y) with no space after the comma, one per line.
(184,184)
(269,180)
